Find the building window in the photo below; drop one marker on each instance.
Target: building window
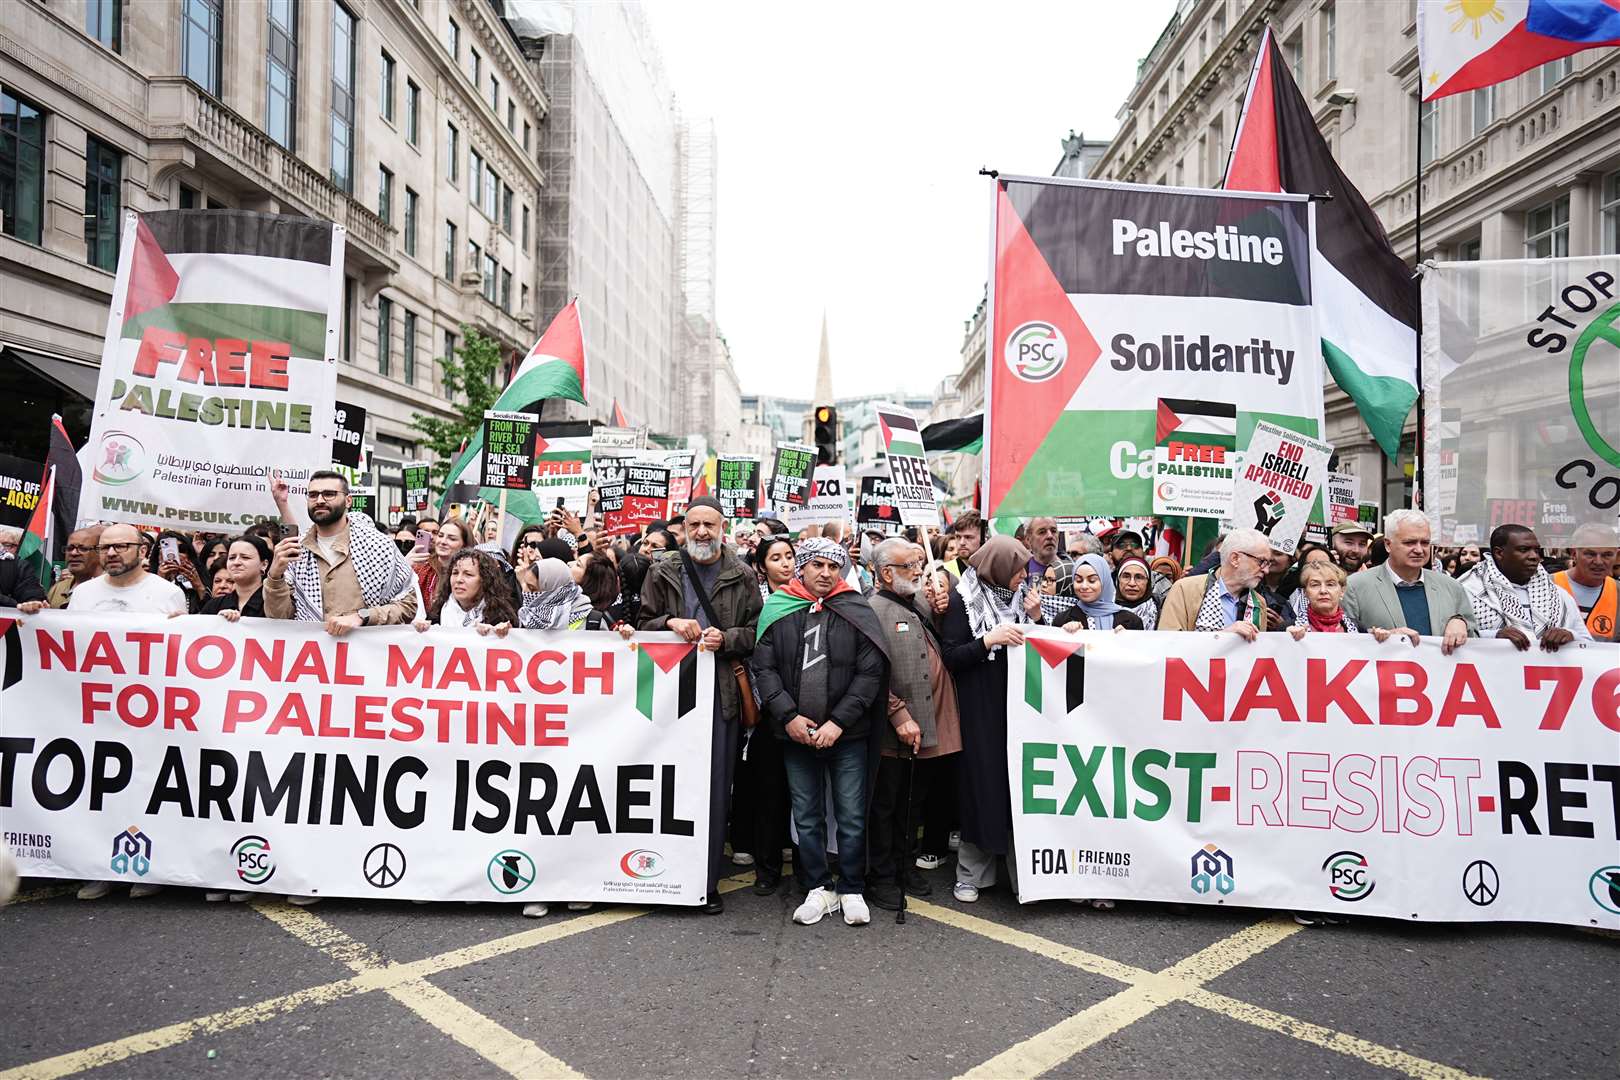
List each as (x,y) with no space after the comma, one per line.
(475,254)
(347,343)
(22,167)
(452,150)
(492,193)
(525,227)
(1546,230)
(410,222)
(413,113)
(281,74)
(102,21)
(342,170)
(385,333)
(200,45)
(386,89)
(1484,110)
(410,348)
(489,277)
(450,250)
(454,44)
(477,68)
(1554,72)
(511,116)
(494,95)
(506,209)
(475,177)
(188,198)
(527,135)
(1218,20)
(385,194)
(1294,53)
(523,308)
(103,173)
(1330,41)
(1428,131)
(506,291)
(1181,76)
(1611,214)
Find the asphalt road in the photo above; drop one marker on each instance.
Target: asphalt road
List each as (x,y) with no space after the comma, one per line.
(171,987)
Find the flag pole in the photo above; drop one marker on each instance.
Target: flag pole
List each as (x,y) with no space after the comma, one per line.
(1417,270)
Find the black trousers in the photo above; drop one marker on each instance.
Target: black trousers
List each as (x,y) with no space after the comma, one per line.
(889,851)
(759,812)
(939,813)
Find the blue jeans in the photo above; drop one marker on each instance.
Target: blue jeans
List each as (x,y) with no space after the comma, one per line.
(807,774)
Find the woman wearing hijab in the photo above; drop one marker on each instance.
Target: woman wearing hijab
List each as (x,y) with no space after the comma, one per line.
(552,600)
(1096,610)
(997,601)
(1133,590)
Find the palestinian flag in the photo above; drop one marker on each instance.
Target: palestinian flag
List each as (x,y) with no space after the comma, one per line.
(62,462)
(655,658)
(900,433)
(1055,670)
(1207,423)
(1366,297)
(36,540)
(620,417)
(554,368)
(964,435)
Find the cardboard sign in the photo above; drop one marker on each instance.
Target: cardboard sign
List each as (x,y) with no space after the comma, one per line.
(1343,492)
(364,501)
(508,459)
(908,465)
(416,485)
(350,433)
(1278,483)
(828,501)
(680,464)
(875,505)
(1193,461)
(791,473)
(644,499)
(562,466)
(21,486)
(736,485)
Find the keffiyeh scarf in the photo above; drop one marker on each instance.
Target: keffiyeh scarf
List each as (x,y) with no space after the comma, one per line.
(1212,613)
(988,606)
(384,574)
(557,609)
(1505,607)
(453,615)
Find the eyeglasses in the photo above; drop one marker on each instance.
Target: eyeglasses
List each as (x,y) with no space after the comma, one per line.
(1262,559)
(127,546)
(532,546)
(321,496)
(917,565)
(81,548)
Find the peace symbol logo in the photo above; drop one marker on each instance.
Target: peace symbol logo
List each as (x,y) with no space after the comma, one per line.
(1481,883)
(384,865)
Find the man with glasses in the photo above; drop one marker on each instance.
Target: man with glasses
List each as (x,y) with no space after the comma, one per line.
(924,723)
(1227,598)
(342,572)
(18,585)
(83,563)
(1405,595)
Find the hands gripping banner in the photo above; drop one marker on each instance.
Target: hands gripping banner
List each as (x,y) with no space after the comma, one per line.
(1330,774)
(266,756)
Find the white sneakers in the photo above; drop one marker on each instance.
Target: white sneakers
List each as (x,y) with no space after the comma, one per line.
(930,862)
(856,912)
(94,890)
(965,893)
(818,904)
(535,911)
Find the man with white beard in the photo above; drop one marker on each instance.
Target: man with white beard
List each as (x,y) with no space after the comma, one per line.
(709,596)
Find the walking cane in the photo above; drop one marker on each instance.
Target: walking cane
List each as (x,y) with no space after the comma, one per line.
(903,870)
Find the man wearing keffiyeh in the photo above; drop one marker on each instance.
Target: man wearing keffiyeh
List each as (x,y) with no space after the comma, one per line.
(1515,598)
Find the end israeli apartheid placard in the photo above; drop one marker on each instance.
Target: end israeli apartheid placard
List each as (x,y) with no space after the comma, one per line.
(1278,483)
(509,440)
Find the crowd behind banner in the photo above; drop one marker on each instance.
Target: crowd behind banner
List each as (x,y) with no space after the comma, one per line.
(860,690)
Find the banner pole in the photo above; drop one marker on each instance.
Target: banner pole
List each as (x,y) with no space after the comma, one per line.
(1417,270)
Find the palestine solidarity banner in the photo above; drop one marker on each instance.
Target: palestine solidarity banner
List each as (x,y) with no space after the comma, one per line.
(1107,298)
(268,756)
(219,364)
(1331,774)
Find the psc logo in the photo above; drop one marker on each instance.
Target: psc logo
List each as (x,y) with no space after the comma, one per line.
(1212,871)
(255,864)
(642,864)
(131,850)
(1349,877)
(1035,351)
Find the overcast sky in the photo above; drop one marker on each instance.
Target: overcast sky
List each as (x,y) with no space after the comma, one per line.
(850,138)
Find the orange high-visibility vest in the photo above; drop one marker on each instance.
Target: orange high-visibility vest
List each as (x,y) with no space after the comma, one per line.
(1601,620)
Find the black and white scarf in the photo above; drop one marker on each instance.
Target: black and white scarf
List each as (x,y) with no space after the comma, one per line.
(1505,607)
(1148,612)
(1212,613)
(383,573)
(988,606)
(557,609)
(454,615)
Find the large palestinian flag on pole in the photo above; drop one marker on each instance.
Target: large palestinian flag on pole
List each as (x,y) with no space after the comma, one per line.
(1107,298)
(554,368)
(219,364)
(1366,297)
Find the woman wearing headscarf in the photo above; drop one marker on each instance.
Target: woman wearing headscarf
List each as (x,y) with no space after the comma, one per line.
(1059,578)
(1133,589)
(1096,608)
(552,599)
(996,601)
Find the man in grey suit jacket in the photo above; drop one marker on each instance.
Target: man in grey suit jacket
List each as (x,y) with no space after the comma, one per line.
(1404,595)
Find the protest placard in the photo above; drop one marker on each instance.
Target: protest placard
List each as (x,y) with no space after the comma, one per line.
(644,498)
(736,485)
(1193,459)
(562,460)
(1343,492)
(509,441)
(1278,483)
(828,500)
(415,475)
(875,506)
(349,434)
(791,473)
(908,465)
(21,487)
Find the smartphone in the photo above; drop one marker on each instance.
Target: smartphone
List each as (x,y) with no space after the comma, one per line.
(286,530)
(424,539)
(171,549)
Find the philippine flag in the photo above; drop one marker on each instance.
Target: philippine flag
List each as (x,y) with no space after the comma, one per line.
(1472,44)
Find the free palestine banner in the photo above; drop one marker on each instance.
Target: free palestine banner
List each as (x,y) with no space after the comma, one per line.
(268,756)
(1330,774)
(1106,298)
(219,364)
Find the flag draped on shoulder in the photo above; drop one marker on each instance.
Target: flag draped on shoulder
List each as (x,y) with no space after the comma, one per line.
(1366,298)
(554,368)
(1470,44)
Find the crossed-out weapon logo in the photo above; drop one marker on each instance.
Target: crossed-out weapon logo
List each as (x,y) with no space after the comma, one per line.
(1349,877)
(1212,871)
(642,864)
(510,871)
(1036,351)
(1604,888)
(131,852)
(254,862)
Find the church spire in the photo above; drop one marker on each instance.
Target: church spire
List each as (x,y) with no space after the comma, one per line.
(824,392)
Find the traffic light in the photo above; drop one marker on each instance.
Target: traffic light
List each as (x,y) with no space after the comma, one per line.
(826,435)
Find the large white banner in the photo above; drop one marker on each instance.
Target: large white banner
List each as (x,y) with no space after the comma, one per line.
(1330,774)
(271,757)
(220,364)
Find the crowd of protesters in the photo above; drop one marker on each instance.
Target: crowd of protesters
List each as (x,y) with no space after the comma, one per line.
(857,672)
